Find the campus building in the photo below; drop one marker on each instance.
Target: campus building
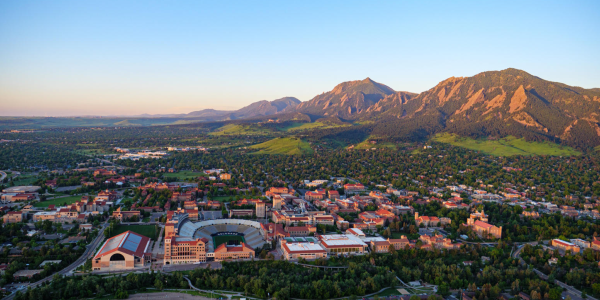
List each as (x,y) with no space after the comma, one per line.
(336,244)
(233,252)
(565,246)
(184,250)
(127,250)
(302,249)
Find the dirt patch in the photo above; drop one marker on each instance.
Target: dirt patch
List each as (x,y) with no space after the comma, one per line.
(518,100)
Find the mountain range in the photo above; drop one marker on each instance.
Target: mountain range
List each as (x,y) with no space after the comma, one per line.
(494,103)
(256,109)
(488,104)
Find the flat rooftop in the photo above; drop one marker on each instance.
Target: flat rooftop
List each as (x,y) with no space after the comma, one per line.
(22,189)
(303,247)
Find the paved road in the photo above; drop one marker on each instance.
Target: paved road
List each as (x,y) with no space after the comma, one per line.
(571,291)
(166,295)
(2,175)
(89,251)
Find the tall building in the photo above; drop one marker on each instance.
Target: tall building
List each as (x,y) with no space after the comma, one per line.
(184,250)
(261,211)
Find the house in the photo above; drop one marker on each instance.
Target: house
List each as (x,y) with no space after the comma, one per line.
(595,245)
(225,176)
(124,251)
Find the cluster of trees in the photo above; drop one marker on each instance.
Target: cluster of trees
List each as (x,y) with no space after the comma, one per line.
(578,270)
(76,287)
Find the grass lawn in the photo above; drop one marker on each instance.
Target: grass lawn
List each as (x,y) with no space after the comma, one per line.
(287,146)
(397,235)
(367,145)
(506,146)
(234,129)
(25,180)
(145,230)
(182,175)
(315,125)
(220,239)
(222,198)
(57,201)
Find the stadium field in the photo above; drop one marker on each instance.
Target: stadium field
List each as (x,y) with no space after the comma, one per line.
(220,239)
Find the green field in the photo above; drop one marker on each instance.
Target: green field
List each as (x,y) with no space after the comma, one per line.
(234,129)
(315,125)
(221,198)
(25,180)
(58,201)
(367,145)
(218,240)
(49,122)
(145,230)
(184,175)
(506,146)
(288,146)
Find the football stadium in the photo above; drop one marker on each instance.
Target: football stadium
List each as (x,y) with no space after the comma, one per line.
(228,231)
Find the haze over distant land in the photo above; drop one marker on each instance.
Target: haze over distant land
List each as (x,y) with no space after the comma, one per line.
(65,58)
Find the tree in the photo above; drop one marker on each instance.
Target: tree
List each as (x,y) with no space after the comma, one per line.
(555,293)
(158,284)
(444,290)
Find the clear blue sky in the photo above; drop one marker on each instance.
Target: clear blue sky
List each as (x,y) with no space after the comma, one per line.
(130,57)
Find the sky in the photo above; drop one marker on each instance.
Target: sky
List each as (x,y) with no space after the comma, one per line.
(65,58)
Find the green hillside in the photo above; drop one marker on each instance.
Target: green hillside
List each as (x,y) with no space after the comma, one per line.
(288,146)
(236,129)
(316,125)
(507,146)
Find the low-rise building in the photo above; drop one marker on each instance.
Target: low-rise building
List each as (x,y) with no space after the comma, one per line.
(13,217)
(565,246)
(233,252)
(307,250)
(339,244)
(127,250)
(124,216)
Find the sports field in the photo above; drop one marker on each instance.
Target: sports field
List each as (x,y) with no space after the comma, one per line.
(145,230)
(58,201)
(220,239)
